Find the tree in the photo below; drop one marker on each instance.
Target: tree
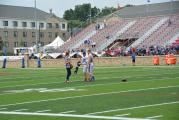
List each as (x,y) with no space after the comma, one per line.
(129,5)
(81,12)
(81,15)
(107,10)
(69,15)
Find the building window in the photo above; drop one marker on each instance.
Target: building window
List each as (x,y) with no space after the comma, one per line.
(63,26)
(24,34)
(15,23)
(49,25)
(6,44)
(63,34)
(33,43)
(41,34)
(56,34)
(5,33)
(33,34)
(24,24)
(15,34)
(5,23)
(33,24)
(50,34)
(56,25)
(25,44)
(15,44)
(1,45)
(41,25)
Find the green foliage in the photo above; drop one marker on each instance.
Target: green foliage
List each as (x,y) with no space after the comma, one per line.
(129,5)
(69,15)
(107,10)
(82,14)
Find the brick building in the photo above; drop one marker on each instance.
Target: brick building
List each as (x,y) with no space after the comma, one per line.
(18,27)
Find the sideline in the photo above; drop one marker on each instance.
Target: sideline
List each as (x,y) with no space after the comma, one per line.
(71,115)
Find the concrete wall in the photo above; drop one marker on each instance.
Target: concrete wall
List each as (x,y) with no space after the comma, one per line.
(109,61)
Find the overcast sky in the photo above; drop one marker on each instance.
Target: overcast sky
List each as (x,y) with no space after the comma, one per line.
(59,6)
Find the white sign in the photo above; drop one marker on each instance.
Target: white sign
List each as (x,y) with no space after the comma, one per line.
(11,57)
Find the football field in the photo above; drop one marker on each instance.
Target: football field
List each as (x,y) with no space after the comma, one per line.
(150,92)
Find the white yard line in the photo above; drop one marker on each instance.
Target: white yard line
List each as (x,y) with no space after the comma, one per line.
(67,112)
(103,84)
(20,110)
(130,108)
(106,93)
(80,80)
(122,115)
(158,116)
(30,84)
(71,116)
(3,108)
(40,111)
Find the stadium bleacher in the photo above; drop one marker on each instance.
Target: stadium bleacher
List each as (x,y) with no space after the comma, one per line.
(150,25)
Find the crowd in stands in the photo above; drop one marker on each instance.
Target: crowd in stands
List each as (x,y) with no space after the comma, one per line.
(153,50)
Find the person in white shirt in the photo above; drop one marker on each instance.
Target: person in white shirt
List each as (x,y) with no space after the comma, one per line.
(84,63)
(68,66)
(90,66)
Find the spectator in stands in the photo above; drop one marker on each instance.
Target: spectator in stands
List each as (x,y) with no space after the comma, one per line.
(97,27)
(68,66)
(93,45)
(169,22)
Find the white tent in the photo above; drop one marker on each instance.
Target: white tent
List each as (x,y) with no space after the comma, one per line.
(56,43)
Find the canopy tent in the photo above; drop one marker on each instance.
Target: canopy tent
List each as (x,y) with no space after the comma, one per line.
(56,43)
(52,55)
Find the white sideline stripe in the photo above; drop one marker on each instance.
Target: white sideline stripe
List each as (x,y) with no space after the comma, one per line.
(154,117)
(122,115)
(38,101)
(153,105)
(70,115)
(42,111)
(3,108)
(20,110)
(67,112)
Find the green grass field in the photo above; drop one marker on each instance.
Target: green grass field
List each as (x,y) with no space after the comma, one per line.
(151,92)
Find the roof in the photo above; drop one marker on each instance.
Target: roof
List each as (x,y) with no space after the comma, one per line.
(18,12)
(149,10)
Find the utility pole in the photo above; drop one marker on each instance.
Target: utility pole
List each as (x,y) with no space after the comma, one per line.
(147,9)
(36,34)
(39,36)
(90,14)
(171,6)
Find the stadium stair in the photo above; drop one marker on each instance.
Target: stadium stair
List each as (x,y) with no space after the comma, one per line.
(148,33)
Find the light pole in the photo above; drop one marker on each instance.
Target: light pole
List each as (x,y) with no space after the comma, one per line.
(90,14)
(147,10)
(36,34)
(171,6)
(40,35)
(4,44)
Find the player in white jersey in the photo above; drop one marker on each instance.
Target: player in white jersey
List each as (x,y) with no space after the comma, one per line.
(90,66)
(84,63)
